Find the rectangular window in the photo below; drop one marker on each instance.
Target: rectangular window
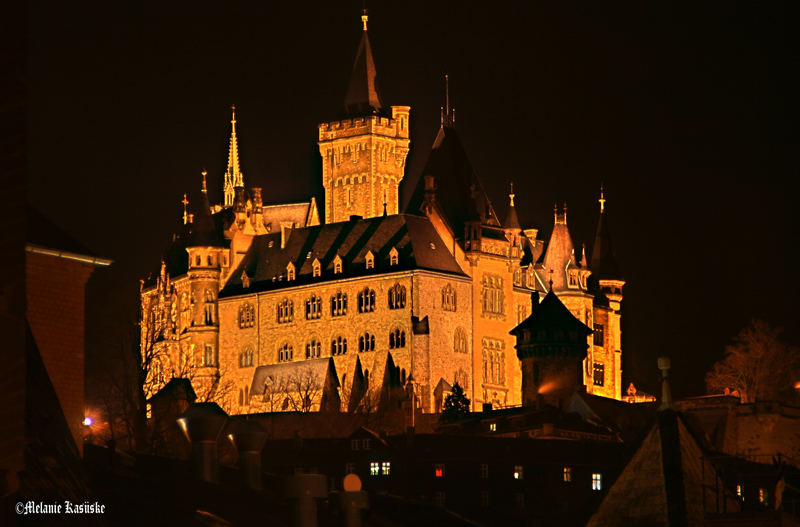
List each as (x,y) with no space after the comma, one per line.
(739,492)
(599,335)
(374,468)
(386,468)
(599,375)
(438,470)
(566,474)
(440,498)
(350,468)
(493,427)
(518,473)
(763,496)
(597,481)
(484,471)
(208,359)
(484,498)
(365,444)
(354,444)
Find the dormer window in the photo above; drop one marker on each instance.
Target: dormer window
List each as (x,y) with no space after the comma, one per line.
(393,257)
(316,268)
(290,271)
(337,265)
(370,259)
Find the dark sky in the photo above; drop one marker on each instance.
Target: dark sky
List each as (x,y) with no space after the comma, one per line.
(685,113)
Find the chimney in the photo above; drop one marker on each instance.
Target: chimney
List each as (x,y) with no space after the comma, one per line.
(664,365)
(202,423)
(249,437)
(304,489)
(240,207)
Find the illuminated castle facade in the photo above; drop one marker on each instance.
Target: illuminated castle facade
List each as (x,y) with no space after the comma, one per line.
(266,307)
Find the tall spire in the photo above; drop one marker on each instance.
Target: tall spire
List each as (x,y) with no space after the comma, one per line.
(362,92)
(233,175)
(448,117)
(603,263)
(512,220)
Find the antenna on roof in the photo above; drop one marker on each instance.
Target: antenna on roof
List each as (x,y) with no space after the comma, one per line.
(364,17)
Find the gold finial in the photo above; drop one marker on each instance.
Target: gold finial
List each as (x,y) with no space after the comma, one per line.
(364,19)
(511,194)
(205,189)
(185,213)
(602,199)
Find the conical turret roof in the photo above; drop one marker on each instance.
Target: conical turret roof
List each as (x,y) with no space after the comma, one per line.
(362,96)
(603,264)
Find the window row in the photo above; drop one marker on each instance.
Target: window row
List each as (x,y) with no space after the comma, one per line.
(397,298)
(338,346)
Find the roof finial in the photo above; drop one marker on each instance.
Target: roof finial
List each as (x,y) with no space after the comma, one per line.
(364,19)
(205,188)
(511,195)
(551,279)
(384,203)
(602,199)
(185,214)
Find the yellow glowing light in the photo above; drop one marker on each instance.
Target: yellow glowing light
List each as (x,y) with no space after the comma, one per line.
(88,421)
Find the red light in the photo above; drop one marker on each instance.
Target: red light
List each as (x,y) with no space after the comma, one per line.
(439,473)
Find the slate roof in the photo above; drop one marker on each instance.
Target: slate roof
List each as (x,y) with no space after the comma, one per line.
(603,264)
(459,193)
(551,314)
(414,237)
(362,96)
(560,254)
(295,213)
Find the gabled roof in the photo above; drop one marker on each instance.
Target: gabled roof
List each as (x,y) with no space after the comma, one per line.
(416,240)
(459,193)
(664,482)
(362,92)
(297,214)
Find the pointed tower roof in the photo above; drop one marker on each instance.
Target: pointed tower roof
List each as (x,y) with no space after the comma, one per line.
(603,264)
(560,250)
(233,154)
(459,193)
(551,315)
(512,221)
(362,91)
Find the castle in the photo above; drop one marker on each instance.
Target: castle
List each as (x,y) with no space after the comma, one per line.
(268,307)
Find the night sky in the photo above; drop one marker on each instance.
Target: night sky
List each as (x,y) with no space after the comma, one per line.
(685,113)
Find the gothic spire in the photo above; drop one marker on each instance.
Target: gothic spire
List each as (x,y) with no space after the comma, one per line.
(512,220)
(603,264)
(233,175)
(362,92)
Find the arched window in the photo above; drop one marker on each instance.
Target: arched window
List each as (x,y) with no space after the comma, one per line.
(285,311)
(210,260)
(448,298)
(246,358)
(316,268)
(313,349)
(370,260)
(285,353)
(460,341)
(397,339)
(247,315)
(313,307)
(366,301)
(393,257)
(397,296)
(208,357)
(337,265)
(338,346)
(209,307)
(339,304)
(366,342)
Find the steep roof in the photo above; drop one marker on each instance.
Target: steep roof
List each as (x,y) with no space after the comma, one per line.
(281,376)
(417,243)
(551,314)
(459,193)
(603,264)
(296,213)
(559,255)
(664,482)
(362,96)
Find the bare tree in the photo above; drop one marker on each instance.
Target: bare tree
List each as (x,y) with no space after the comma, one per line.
(758,364)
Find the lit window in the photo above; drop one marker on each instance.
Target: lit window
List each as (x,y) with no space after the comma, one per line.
(386,468)
(597,481)
(599,374)
(350,468)
(566,475)
(599,335)
(739,492)
(438,470)
(763,496)
(493,427)
(374,468)
(518,473)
